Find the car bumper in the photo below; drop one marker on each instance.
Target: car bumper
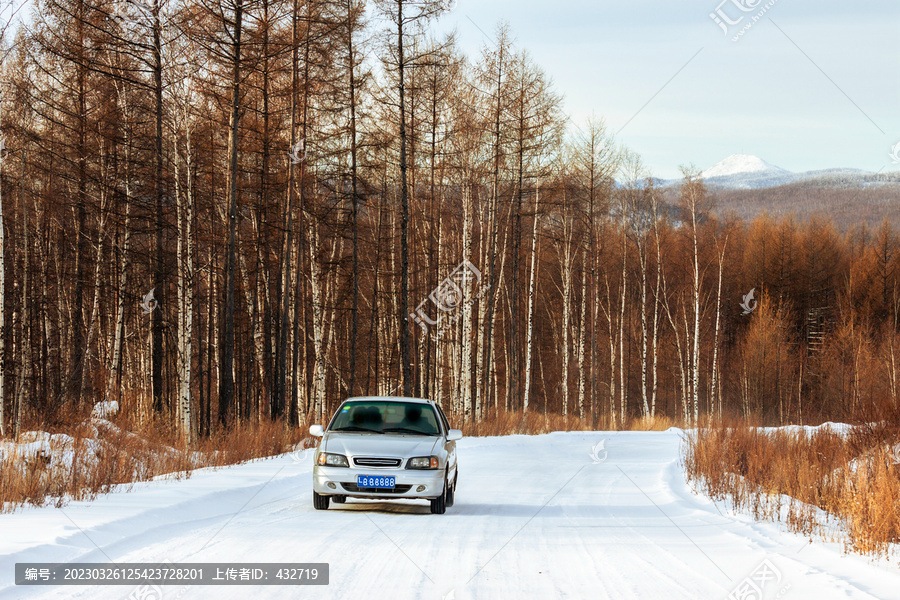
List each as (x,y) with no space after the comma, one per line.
(341,481)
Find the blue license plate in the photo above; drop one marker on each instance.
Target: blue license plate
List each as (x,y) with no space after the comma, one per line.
(375,481)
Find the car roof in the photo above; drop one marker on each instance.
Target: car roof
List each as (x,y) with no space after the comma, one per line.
(388,399)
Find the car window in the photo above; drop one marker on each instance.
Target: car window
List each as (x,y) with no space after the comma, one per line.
(444,419)
(386,417)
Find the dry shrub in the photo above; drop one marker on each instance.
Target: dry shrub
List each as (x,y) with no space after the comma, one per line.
(250,441)
(657,423)
(498,422)
(95,456)
(501,422)
(852,478)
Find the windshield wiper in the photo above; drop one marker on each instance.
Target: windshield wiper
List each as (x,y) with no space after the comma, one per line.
(355,428)
(407,430)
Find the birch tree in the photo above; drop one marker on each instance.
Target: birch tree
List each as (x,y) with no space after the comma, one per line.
(183,154)
(693,201)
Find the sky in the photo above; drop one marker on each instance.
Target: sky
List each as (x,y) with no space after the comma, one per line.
(811,84)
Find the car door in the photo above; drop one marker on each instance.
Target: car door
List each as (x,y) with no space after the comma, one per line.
(449,447)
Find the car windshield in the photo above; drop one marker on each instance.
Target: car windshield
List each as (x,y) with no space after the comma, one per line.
(412,418)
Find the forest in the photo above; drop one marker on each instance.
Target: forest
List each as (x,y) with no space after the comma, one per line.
(219,212)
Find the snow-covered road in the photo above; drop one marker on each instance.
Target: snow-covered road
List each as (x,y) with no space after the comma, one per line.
(550,516)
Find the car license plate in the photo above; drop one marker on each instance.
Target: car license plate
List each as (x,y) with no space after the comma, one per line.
(375,481)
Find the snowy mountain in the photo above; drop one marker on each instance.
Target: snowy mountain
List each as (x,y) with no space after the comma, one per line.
(742,164)
(744,171)
(748,172)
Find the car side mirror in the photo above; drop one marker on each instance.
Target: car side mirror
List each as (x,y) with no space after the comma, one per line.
(316,430)
(453,435)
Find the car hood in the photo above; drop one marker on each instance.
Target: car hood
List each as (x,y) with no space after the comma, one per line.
(364,444)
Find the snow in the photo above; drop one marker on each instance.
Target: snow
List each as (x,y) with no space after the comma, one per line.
(741,164)
(841,429)
(563,515)
(105,409)
(829,178)
(748,172)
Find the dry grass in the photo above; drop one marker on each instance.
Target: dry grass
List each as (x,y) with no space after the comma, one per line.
(787,474)
(91,458)
(657,423)
(500,422)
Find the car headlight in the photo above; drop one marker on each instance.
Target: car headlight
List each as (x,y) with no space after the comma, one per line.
(423,462)
(332,460)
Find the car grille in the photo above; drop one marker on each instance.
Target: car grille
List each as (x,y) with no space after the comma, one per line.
(352,487)
(376,462)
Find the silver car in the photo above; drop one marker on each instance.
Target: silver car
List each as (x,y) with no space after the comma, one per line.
(386,447)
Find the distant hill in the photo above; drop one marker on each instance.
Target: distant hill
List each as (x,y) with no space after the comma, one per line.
(746,186)
(748,172)
(845,203)
(743,171)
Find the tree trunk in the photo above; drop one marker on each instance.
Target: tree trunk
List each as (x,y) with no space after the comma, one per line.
(185,251)
(156,322)
(95,305)
(318,389)
(405,357)
(566,276)
(532,277)
(623,385)
(715,357)
(114,382)
(465,374)
(226,370)
(2,301)
(642,257)
(582,333)
(25,323)
(354,191)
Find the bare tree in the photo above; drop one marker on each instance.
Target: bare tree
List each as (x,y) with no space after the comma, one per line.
(183,154)
(406,16)
(8,11)
(595,160)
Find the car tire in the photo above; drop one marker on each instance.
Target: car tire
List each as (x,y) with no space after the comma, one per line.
(451,492)
(320,502)
(439,504)
(339,499)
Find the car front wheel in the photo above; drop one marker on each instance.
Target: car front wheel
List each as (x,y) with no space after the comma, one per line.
(451,491)
(439,504)
(320,502)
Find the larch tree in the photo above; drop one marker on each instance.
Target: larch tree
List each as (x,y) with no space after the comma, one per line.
(595,162)
(8,12)
(407,17)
